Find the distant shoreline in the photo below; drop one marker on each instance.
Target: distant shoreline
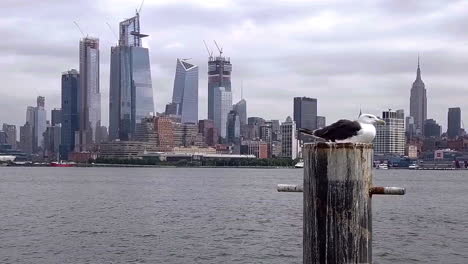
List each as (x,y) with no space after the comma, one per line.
(103,165)
(152,166)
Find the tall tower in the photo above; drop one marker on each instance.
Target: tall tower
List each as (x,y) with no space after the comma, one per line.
(185,94)
(305,112)
(418,103)
(219,75)
(453,122)
(241,108)
(390,138)
(131,90)
(40,122)
(90,94)
(289,146)
(70,112)
(222,106)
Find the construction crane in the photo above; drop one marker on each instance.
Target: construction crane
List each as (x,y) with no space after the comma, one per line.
(113,32)
(141,6)
(78,26)
(219,49)
(210,52)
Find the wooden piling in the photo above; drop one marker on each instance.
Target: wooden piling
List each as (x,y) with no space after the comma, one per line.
(337,204)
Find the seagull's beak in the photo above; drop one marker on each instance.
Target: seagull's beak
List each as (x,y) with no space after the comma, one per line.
(380,122)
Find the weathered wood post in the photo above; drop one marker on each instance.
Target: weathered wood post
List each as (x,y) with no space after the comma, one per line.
(337,205)
(337,202)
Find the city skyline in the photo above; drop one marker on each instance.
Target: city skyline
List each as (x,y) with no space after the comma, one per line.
(391,68)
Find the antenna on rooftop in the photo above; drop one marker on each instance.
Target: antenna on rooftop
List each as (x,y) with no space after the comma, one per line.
(219,49)
(141,6)
(210,52)
(113,32)
(78,26)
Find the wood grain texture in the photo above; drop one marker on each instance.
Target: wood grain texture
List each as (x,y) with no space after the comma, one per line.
(337,206)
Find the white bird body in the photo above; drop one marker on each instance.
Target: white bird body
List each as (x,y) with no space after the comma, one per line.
(346,131)
(365,135)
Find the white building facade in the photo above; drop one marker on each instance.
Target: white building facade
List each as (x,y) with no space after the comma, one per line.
(390,138)
(289,143)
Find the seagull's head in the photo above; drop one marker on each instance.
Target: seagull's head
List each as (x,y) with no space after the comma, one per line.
(370,119)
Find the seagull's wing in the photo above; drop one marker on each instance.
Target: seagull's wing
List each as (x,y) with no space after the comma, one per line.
(342,129)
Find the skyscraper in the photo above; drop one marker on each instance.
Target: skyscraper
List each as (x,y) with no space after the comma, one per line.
(26,138)
(30,112)
(56,116)
(432,129)
(90,96)
(233,127)
(305,112)
(70,111)
(390,138)
(131,90)
(241,109)
(418,103)
(30,124)
(454,122)
(321,121)
(52,142)
(222,106)
(288,139)
(185,94)
(10,131)
(253,127)
(219,75)
(209,132)
(410,127)
(40,122)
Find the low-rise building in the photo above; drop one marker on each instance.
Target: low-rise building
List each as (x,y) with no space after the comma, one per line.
(122,149)
(257,148)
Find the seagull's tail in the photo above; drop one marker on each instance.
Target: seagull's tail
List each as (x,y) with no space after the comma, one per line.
(309,132)
(306,131)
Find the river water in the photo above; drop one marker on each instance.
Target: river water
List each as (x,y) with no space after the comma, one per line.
(179,215)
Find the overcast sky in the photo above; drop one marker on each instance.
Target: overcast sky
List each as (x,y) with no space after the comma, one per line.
(347,54)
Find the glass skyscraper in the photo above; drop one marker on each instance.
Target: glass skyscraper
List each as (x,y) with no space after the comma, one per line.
(40,122)
(305,112)
(131,91)
(89,107)
(454,122)
(222,107)
(241,108)
(70,107)
(219,75)
(185,94)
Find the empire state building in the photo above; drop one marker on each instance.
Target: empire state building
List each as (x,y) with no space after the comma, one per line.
(418,102)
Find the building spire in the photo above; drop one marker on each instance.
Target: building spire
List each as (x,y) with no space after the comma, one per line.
(242,89)
(418,74)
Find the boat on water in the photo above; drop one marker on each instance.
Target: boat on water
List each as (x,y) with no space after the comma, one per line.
(300,164)
(61,164)
(382,166)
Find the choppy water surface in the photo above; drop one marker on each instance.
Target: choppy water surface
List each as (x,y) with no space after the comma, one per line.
(122,215)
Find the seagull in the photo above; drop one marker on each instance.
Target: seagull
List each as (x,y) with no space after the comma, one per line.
(347,131)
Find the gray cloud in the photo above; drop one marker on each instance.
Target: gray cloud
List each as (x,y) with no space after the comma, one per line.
(347,54)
